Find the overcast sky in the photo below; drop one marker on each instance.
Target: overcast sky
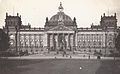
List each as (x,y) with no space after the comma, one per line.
(36,11)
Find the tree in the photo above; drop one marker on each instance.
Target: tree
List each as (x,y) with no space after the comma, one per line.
(4,41)
(117,42)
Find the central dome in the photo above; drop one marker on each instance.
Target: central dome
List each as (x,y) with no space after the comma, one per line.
(60,19)
(60,16)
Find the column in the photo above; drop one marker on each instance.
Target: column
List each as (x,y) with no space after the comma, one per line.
(71,41)
(56,39)
(19,45)
(69,47)
(66,41)
(74,42)
(53,41)
(24,41)
(63,39)
(57,43)
(48,42)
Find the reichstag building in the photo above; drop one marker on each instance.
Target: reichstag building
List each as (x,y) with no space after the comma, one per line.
(60,33)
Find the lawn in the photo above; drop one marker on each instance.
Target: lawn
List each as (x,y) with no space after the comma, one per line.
(59,66)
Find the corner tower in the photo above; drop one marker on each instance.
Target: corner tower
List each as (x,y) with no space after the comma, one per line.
(12,23)
(108,23)
(12,27)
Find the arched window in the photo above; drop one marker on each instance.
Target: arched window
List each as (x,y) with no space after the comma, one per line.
(12,36)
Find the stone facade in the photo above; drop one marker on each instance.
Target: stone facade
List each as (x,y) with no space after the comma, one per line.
(61,33)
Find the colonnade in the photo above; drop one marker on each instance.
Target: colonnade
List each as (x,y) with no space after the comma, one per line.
(60,41)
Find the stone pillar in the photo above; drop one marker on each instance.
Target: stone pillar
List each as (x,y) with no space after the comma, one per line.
(74,42)
(24,41)
(48,42)
(53,41)
(56,42)
(63,39)
(56,37)
(50,39)
(19,42)
(66,41)
(71,41)
(69,47)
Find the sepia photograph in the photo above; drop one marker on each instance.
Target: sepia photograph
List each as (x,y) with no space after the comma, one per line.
(59,36)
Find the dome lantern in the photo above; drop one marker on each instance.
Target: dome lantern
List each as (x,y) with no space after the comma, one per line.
(60,8)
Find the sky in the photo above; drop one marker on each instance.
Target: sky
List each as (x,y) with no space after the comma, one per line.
(36,11)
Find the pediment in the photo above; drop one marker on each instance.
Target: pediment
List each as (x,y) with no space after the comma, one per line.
(61,28)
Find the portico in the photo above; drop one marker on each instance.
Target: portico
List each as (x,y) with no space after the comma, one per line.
(60,40)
